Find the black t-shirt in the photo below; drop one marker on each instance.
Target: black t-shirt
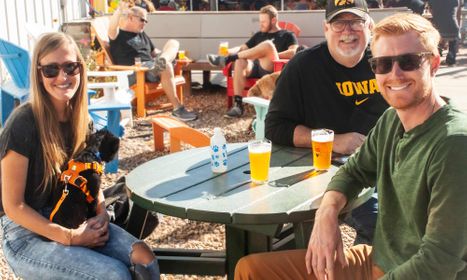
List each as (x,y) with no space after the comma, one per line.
(316,91)
(20,134)
(282,39)
(129,45)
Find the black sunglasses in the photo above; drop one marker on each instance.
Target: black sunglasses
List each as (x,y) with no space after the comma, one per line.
(52,70)
(141,18)
(406,62)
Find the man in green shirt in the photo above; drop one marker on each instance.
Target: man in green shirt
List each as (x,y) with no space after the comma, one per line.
(416,155)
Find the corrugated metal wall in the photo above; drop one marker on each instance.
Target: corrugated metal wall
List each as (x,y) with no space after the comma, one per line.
(17,16)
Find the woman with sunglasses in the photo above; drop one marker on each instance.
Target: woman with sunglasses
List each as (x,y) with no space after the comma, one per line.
(37,141)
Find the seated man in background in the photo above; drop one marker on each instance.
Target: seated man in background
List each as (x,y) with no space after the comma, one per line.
(128,41)
(416,154)
(331,85)
(254,59)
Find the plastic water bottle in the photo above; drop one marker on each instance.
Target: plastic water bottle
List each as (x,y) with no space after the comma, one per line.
(218,152)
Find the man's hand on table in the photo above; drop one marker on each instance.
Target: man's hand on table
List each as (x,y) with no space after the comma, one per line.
(347,143)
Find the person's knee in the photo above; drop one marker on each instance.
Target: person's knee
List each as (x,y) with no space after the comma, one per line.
(241,63)
(246,268)
(141,253)
(116,270)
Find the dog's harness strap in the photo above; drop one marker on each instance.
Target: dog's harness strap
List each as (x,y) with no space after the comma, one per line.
(71,175)
(59,203)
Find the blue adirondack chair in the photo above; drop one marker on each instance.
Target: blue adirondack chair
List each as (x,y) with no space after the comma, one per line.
(16,90)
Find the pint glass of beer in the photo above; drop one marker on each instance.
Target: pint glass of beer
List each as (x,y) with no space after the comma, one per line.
(259,152)
(224,49)
(321,143)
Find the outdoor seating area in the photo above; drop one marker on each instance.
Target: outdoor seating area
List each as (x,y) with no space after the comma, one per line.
(208,220)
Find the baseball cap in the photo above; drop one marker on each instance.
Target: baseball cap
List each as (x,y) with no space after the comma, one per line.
(336,7)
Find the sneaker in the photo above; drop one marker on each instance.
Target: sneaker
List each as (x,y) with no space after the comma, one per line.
(159,65)
(450,60)
(216,60)
(234,112)
(182,114)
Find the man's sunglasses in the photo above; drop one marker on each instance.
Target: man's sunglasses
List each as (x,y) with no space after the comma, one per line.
(141,18)
(52,70)
(406,62)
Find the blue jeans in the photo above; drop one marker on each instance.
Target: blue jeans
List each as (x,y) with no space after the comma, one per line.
(32,256)
(363,220)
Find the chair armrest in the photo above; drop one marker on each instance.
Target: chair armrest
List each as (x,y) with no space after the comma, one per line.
(227,70)
(257,101)
(122,78)
(279,64)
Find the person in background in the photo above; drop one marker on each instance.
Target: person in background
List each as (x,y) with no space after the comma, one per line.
(128,40)
(331,85)
(254,59)
(416,155)
(444,14)
(36,143)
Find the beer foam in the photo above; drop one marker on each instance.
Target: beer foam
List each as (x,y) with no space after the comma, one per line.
(323,138)
(259,149)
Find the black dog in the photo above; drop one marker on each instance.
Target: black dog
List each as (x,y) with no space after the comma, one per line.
(75,198)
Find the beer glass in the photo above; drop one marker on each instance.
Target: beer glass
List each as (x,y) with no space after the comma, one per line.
(321,143)
(224,49)
(259,152)
(137,61)
(181,55)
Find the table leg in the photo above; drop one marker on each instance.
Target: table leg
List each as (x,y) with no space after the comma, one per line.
(302,233)
(239,243)
(187,86)
(206,79)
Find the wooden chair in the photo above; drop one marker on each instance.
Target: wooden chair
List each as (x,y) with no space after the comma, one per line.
(179,132)
(278,65)
(16,90)
(145,91)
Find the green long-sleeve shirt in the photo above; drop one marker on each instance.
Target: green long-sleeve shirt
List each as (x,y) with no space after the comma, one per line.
(421,175)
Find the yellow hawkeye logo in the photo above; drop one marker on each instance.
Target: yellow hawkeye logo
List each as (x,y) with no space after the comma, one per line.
(343,2)
(358,102)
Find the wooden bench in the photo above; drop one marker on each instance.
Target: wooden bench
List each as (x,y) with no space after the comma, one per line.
(179,132)
(202,65)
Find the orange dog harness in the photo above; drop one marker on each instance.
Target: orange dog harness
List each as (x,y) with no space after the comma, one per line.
(71,176)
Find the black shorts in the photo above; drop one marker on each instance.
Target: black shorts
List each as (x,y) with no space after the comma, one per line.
(257,71)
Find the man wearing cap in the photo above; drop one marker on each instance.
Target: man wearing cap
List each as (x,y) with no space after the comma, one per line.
(331,86)
(416,154)
(128,41)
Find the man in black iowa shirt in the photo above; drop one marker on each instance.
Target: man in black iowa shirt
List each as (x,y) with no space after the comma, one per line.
(331,85)
(254,59)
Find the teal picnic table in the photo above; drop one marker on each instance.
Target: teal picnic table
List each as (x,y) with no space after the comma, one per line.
(182,185)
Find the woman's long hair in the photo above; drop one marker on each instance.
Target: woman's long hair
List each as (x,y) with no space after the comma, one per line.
(53,146)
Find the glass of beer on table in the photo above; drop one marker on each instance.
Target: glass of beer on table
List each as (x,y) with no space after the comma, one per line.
(321,143)
(259,152)
(224,49)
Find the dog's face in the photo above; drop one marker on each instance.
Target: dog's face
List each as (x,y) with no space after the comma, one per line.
(103,142)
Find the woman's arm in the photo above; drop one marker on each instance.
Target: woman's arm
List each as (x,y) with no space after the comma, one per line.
(14,173)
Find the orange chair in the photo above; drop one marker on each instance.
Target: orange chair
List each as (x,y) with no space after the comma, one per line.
(179,132)
(278,65)
(145,91)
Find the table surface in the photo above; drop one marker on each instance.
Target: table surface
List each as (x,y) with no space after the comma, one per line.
(182,185)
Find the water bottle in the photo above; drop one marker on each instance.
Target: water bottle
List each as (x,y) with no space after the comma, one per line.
(218,152)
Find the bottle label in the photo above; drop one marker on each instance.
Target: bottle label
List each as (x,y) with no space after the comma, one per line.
(219,157)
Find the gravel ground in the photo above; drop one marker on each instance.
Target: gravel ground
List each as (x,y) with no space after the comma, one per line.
(136,148)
